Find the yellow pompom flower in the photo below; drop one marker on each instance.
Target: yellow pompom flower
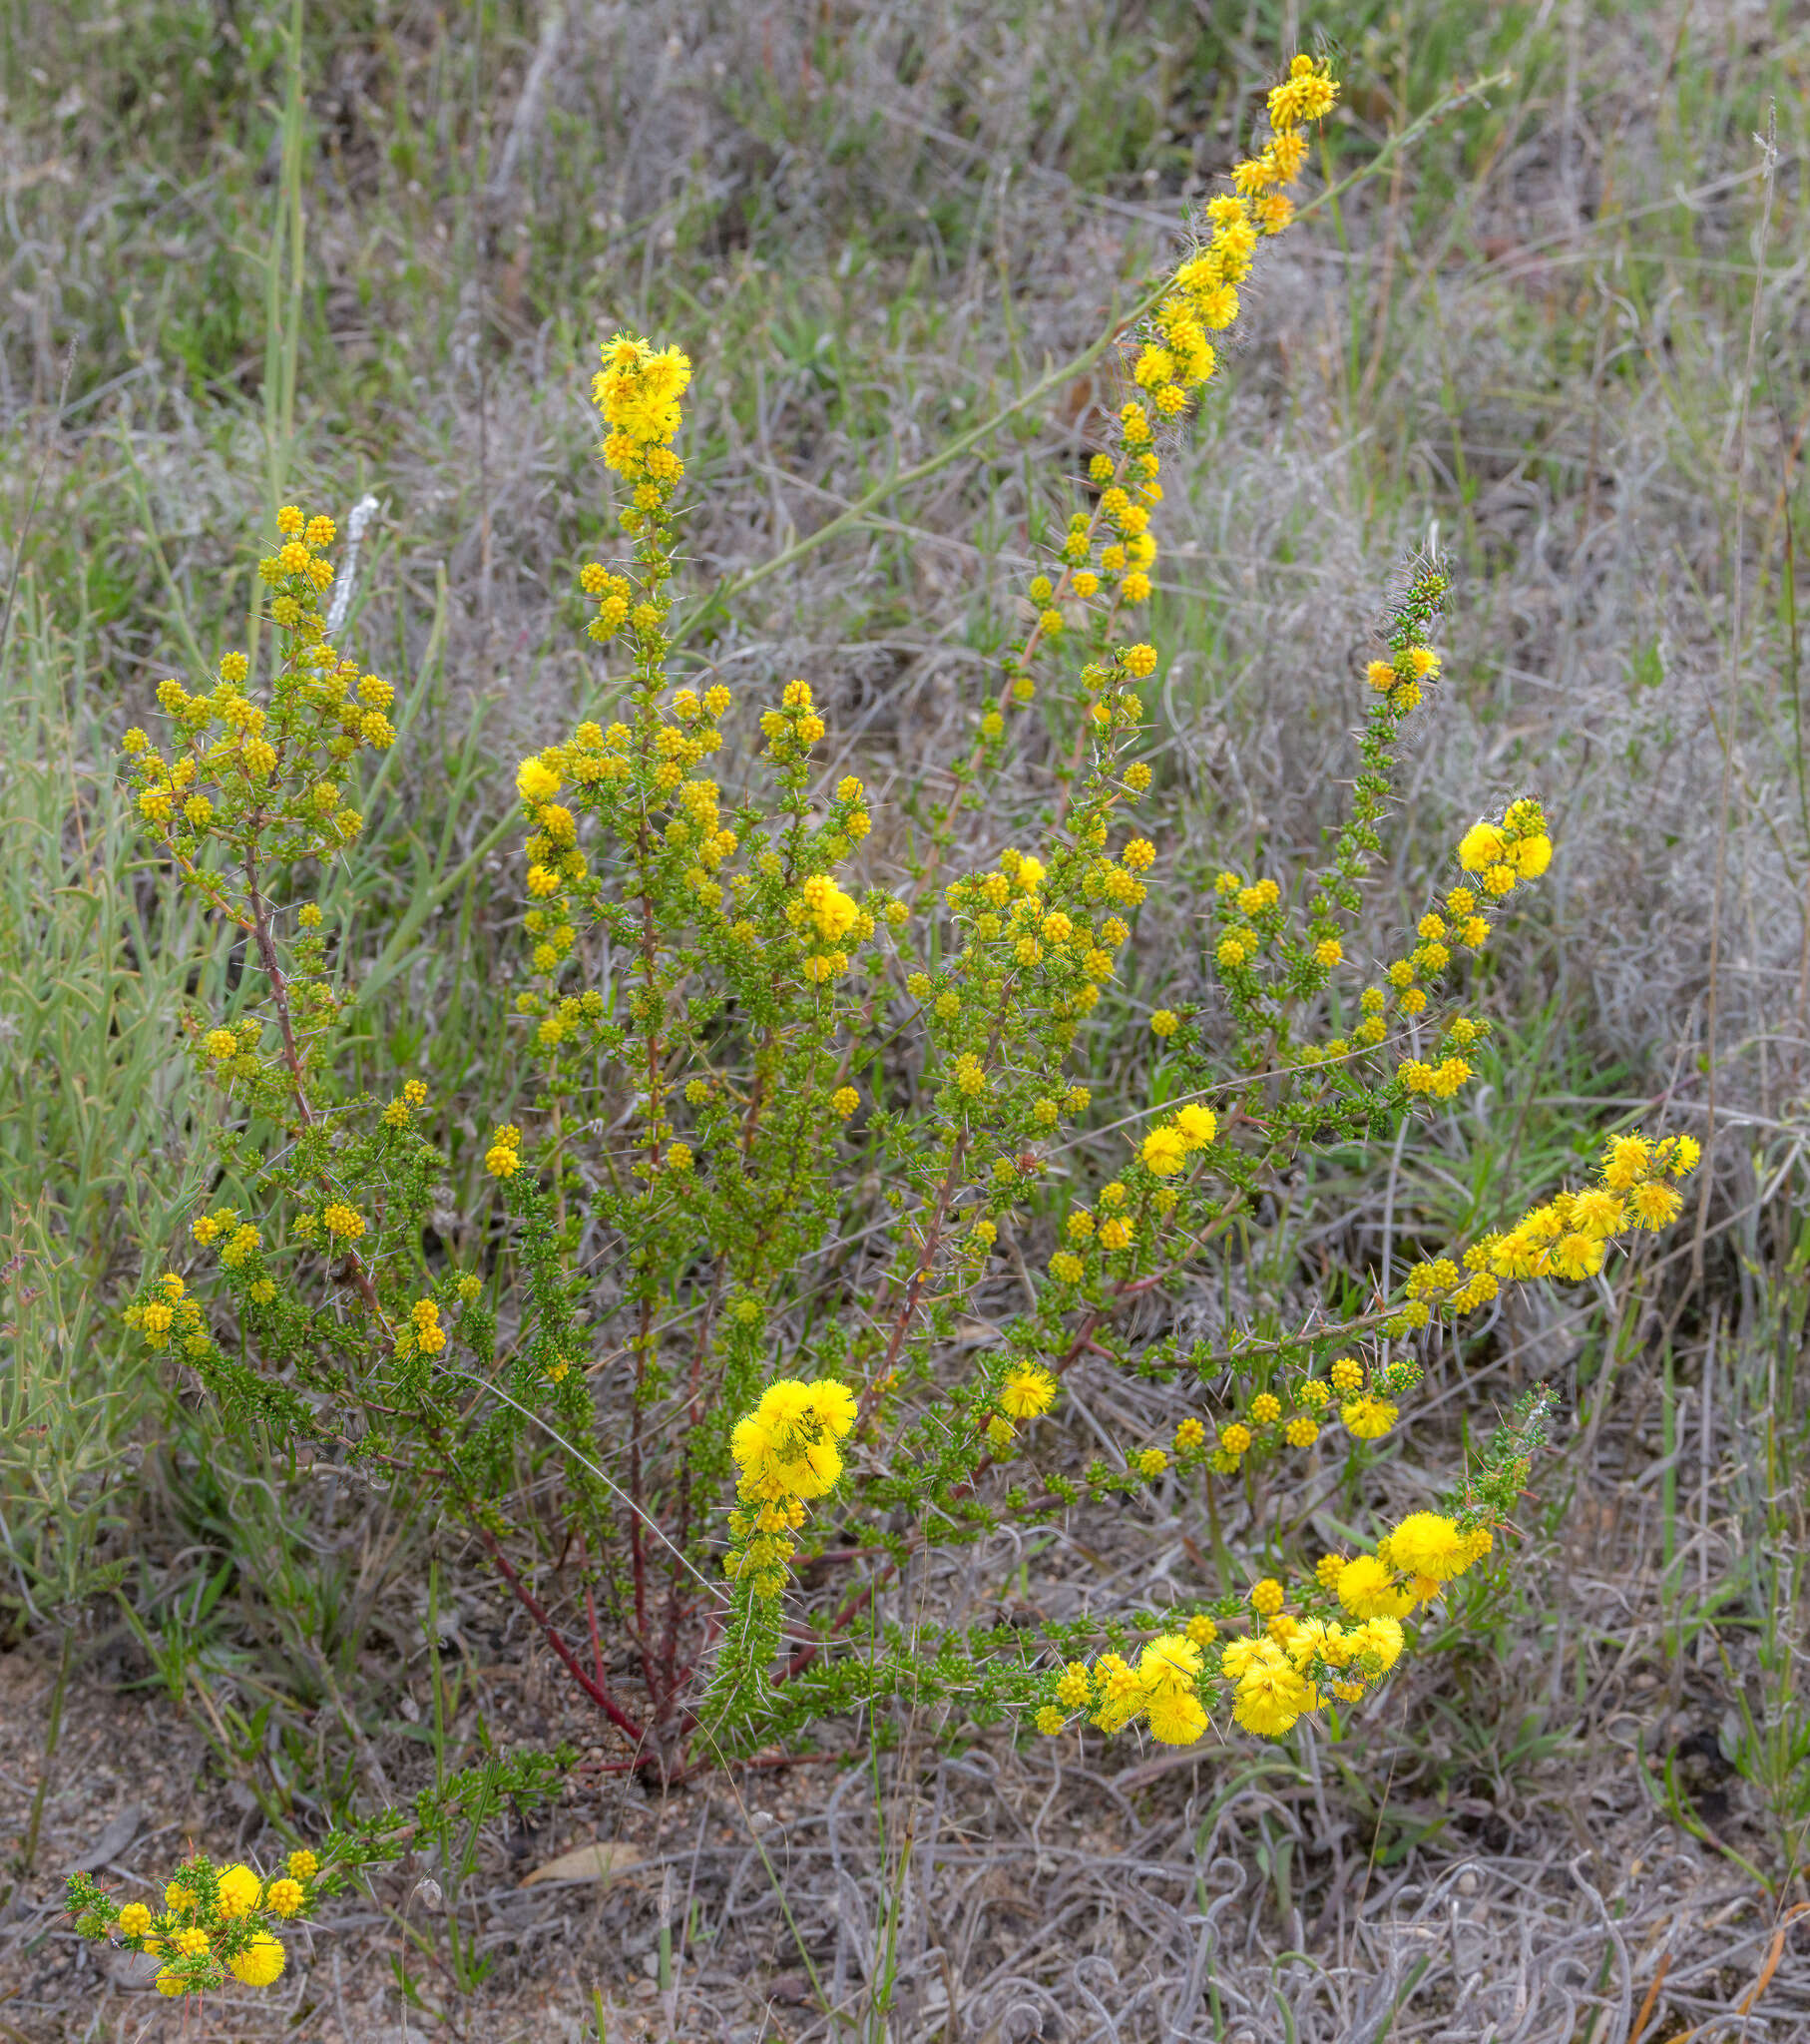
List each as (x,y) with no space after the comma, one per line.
(1368,1418)
(1480,847)
(786,1446)
(1267,1597)
(284,1897)
(260,1964)
(135,1919)
(1367,1589)
(1429,1544)
(1270,1696)
(1654,1204)
(240,1890)
(1027,1392)
(1199,1125)
(1165,1151)
(1175,1716)
(1076,1688)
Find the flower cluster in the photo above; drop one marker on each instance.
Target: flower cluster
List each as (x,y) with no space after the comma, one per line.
(236,762)
(1287,1664)
(638,390)
(1568,1234)
(213,1921)
(785,1452)
(1106,557)
(166,1313)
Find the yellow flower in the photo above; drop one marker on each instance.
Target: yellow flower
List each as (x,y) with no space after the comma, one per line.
(1367,1589)
(1654,1204)
(1532,855)
(1167,1670)
(1380,1640)
(1199,1125)
(1119,1693)
(1429,1544)
(1076,1689)
(135,1919)
(1165,1151)
(1270,1695)
(1368,1418)
(303,1865)
(260,1964)
(786,1446)
(284,1897)
(240,1890)
(1175,1715)
(1266,1597)
(1480,847)
(1027,1392)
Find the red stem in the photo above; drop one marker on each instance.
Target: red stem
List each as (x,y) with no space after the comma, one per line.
(599,1696)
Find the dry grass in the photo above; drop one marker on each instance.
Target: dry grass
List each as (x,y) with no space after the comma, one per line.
(871,225)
